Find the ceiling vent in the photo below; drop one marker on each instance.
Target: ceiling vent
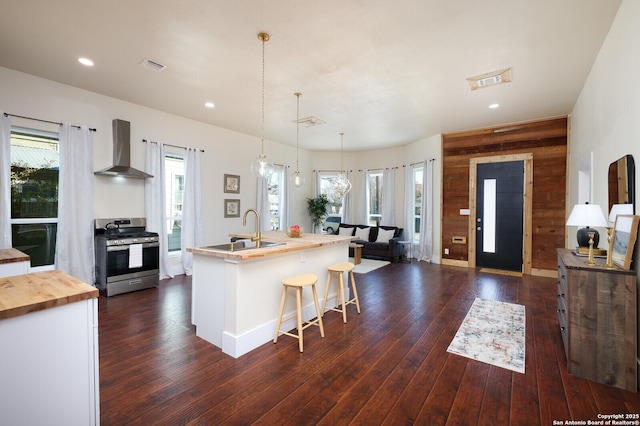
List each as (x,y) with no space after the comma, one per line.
(152,65)
(490,79)
(310,121)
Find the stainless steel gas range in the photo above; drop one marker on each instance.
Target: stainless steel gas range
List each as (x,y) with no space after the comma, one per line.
(127,256)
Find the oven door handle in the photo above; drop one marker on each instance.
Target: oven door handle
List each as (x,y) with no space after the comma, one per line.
(126,246)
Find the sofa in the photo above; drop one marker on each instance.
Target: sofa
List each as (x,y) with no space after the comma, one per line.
(378,242)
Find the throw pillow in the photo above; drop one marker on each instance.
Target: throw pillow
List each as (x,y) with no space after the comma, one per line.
(363,233)
(384,235)
(345,230)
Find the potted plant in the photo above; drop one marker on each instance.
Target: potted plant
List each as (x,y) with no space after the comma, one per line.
(317,208)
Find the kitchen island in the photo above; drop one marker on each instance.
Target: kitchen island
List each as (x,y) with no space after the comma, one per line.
(236,294)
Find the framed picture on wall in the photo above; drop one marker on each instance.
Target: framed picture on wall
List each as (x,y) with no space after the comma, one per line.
(231,208)
(232,184)
(624,239)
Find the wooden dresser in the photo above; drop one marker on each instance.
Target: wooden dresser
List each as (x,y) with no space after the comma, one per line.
(597,318)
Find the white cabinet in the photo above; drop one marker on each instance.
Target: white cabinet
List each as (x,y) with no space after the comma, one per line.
(49,364)
(13,262)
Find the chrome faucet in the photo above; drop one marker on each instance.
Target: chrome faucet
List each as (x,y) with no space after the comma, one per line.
(257,238)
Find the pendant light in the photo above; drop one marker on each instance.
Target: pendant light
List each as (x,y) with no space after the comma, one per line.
(341,186)
(297,179)
(260,167)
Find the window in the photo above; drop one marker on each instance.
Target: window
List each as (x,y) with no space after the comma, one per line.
(417,202)
(34,195)
(174,186)
(276,198)
(336,202)
(374,197)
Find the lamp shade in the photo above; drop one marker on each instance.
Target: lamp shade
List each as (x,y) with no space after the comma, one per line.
(587,215)
(617,209)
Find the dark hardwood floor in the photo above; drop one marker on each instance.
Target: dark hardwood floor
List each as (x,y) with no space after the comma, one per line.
(388,365)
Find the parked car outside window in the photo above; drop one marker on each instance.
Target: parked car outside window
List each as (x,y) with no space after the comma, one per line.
(331,222)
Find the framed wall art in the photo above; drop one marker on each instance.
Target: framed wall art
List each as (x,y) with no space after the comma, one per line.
(232,184)
(231,208)
(624,239)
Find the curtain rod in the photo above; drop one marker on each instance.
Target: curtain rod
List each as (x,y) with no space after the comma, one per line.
(168,144)
(6,114)
(420,162)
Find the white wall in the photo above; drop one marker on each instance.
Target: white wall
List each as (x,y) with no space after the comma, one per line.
(225,151)
(606,117)
(419,151)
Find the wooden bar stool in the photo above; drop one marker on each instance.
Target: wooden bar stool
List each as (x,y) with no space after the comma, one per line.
(298,282)
(340,268)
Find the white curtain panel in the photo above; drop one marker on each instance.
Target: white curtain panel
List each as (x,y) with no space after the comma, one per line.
(74,240)
(346,202)
(192,229)
(426,228)
(262,204)
(285,196)
(364,220)
(388,197)
(5,181)
(154,202)
(409,199)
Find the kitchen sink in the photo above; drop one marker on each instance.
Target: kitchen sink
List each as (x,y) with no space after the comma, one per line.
(241,245)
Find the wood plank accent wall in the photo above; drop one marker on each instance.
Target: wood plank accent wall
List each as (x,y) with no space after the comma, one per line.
(546,140)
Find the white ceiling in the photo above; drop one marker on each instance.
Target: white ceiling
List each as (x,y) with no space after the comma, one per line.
(383,72)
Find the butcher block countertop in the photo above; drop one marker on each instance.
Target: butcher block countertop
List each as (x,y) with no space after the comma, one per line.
(22,294)
(306,242)
(12,255)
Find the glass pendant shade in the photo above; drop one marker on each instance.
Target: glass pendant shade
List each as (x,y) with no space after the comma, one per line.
(341,186)
(297,179)
(260,167)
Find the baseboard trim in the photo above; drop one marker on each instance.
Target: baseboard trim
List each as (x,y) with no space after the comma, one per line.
(236,346)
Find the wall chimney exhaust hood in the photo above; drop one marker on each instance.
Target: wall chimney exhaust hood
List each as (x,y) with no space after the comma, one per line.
(122,153)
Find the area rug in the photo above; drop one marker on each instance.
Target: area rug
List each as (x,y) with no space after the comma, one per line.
(493,333)
(501,272)
(368,265)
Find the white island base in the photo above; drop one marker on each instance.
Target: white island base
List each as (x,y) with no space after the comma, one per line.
(236,296)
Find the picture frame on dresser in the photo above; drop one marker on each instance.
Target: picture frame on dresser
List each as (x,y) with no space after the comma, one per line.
(625,233)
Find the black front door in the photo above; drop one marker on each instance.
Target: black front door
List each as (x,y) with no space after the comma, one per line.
(499,220)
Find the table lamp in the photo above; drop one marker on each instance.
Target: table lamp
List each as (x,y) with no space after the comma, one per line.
(587,215)
(616,209)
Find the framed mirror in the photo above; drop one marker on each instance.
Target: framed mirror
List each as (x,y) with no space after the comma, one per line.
(624,239)
(621,182)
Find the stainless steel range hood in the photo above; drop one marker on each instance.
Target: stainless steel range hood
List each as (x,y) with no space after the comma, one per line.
(122,153)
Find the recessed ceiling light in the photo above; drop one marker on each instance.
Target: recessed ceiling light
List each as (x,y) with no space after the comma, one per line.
(494,106)
(209,104)
(86,61)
